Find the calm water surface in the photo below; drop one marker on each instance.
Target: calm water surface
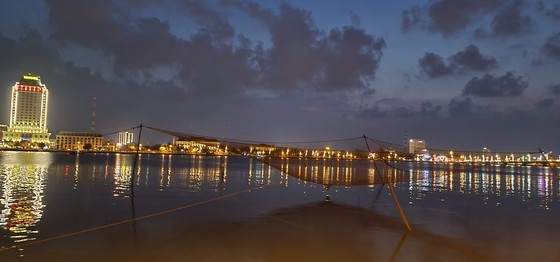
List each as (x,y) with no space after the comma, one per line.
(65,207)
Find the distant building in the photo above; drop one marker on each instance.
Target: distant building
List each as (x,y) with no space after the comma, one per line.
(28,111)
(126,137)
(109,145)
(263,149)
(197,144)
(416,146)
(77,140)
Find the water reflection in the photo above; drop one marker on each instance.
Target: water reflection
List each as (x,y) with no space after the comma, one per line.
(524,182)
(121,174)
(168,181)
(23,180)
(342,172)
(424,179)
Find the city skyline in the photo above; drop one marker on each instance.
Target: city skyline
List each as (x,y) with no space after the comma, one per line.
(459,74)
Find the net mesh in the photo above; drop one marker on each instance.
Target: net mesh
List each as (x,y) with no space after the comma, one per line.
(351,161)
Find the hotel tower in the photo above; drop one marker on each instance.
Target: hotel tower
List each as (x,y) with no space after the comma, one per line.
(28,111)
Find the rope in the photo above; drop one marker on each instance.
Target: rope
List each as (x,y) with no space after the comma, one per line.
(390,184)
(181,134)
(385,145)
(112,133)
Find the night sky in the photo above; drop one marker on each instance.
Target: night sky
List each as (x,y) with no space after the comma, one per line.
(462,74)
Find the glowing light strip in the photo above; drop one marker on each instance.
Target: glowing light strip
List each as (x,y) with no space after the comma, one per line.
(36,78)
(13,110)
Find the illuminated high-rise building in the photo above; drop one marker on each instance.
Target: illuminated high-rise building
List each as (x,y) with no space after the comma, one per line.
(28,111)
(126,137)
(416,146)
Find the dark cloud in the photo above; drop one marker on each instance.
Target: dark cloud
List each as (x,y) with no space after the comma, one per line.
(428,109)
(135,44)
(551,47)
(411,18)
(402,112)
(144,3)
(266,16)
(447,17)
(545,103)
(555,89)
(472,59)
(212,21)
(70,87)
(490,85)
(433,66)
(217,70)
(351,59)
(303,56)
(142,44)
(28,53)
(460,107)
(552,12)
(391,109)
(374,112)
(509,21)
(215,60)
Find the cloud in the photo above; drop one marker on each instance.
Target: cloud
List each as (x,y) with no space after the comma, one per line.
(411,17)
(552,12)
(216,70)
(489,85)
(374,112)
(545,103)
(212,62)
(350,59)
(212,21)
(402,112)
(428,109)
(215,60)
(433,66)
(28,53)
(471,59)
(447,17)
(70,87)
(134,43)
(509,21)
(460,107)
(551,47)
(393,108)
(555,89)
(304,56)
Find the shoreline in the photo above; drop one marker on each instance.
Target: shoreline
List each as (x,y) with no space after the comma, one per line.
(73,152)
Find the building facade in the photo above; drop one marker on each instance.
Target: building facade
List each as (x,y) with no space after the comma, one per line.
(77,141)
(126,138)
(28,111)
(197,145)
(416,146)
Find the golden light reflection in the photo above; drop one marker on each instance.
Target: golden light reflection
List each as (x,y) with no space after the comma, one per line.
(121,175)
(23,180)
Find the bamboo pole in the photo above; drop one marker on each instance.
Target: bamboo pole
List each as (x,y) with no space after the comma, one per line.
(390,183)
(135,162)
(374,165)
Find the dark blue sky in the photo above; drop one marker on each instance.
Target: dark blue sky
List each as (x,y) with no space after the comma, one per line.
(462,74)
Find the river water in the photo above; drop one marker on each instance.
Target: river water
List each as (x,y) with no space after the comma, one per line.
(57,206)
